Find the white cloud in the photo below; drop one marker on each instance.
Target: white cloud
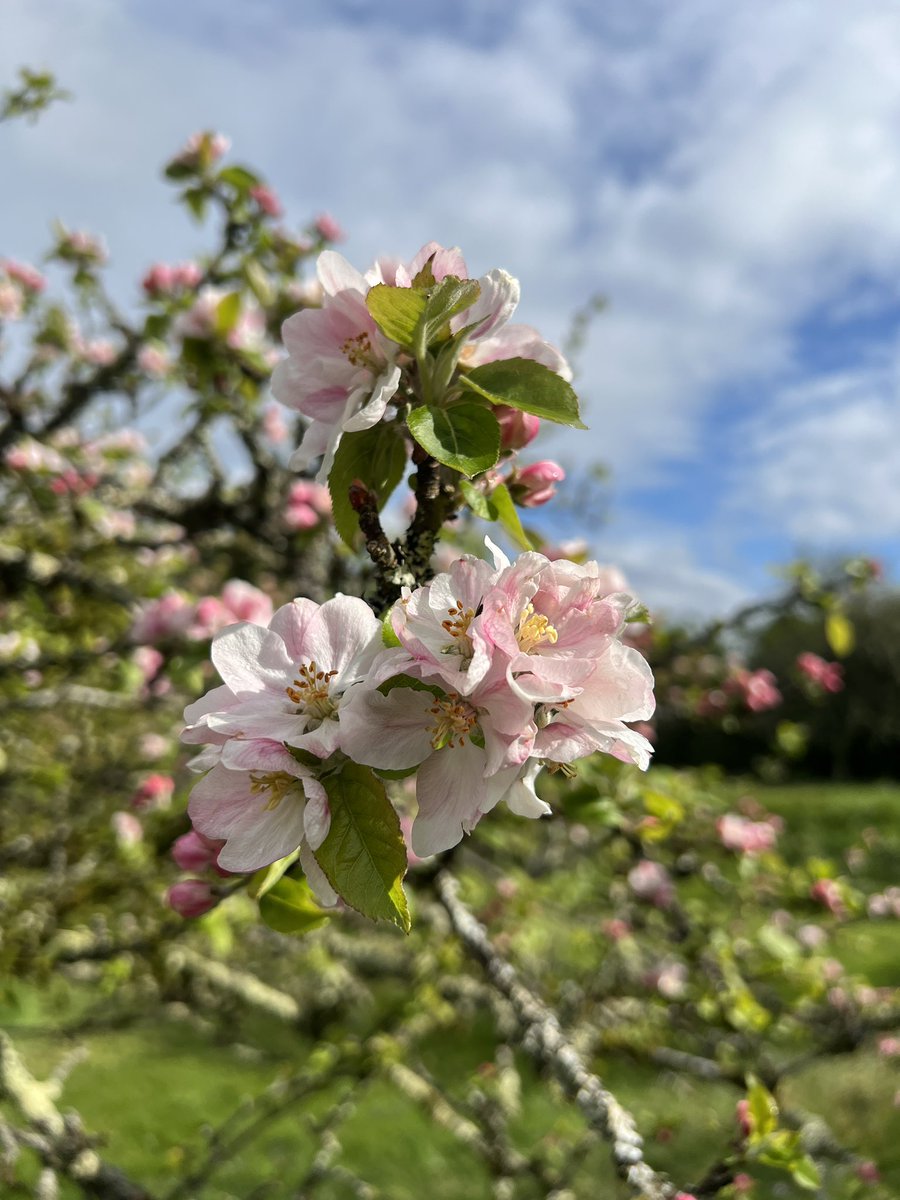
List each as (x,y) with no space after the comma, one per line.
(826,463)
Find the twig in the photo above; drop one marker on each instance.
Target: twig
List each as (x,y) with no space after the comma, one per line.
(543,1040)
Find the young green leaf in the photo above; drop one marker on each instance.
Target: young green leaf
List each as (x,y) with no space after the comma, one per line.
(446,299)
(508,516)
(265,878)
(238,177)
(465,437)
(227,312)
(377,458)
(364,855)
(527,385)
(396,311)
(477,501)
(288,907)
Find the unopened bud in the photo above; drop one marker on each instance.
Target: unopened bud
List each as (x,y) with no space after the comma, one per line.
(191,898)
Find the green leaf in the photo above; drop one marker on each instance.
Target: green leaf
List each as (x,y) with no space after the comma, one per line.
(508,516)
(465,437)
(260,283)
(227,312)
(839,633)
(288,907)
(265,878)
(806,1174)
(396,311)
(446,299)
(763,1110)
(238,177)
(196,199)
(388,637)
(477,501)
(527,385)
(364,855)
(377,458)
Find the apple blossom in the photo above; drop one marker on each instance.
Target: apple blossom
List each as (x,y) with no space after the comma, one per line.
(191,898)
(535,484)
(328,228)
(155,792)
(191,852)
(517,428)
(829,676)
(650,881)
(25,274)
(746,837)
(268,202)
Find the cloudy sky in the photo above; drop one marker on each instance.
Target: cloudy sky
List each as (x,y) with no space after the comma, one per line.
(728,176)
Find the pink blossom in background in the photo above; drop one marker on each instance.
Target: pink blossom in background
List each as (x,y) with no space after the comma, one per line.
(203,148)
(191,898)
(827,675)
(154,792)
(746,837)
(517,428)
(868,1172)
(889,1047)
(158,620)
(84,245)
(127,828)
(743,1118)
(827,892)
(328,228)
(615,929)
(149,660)
(274,425)
(154,359)
(99,352)
(153,745)
(159,280)
(742,1183)
(757,690)
(650,881)
(535,484)
(246,602)
(268,201)
(11,301)
(308,505)
(25,274)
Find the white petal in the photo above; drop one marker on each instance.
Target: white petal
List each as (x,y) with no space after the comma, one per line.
(316,878)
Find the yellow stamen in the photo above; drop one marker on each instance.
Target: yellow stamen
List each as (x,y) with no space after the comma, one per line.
(279,783)
(358,350)
(455,718)
(310,691)
(533,629)
(459,618)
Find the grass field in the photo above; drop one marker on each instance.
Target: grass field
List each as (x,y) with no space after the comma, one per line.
(152,1087)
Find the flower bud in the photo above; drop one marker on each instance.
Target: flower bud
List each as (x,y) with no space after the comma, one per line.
(328,228)
(535,484)
(193,853)
(517,428)
(191,898)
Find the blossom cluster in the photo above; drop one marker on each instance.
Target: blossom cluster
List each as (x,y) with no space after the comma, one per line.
(499,669)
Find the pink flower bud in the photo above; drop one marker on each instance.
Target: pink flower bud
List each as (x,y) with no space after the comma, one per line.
(517,428)
(267,200)
(28,276)
(127,828)
(192,853)
(742,1183)
(191,898)
(650,881)
(155,792)
(743,1118)
(159,280)
(534,485)
(868,1172)
(328,228)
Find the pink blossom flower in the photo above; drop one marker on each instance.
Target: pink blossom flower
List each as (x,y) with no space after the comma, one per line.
(328,229)
(650,881)
(149,660)
(868,1172)
(829,676)
(744,1118)
(159,280)
(757,689)
(889,1047)
(274,425)
(202,149)
(154,359)
(286,680)
(308,504)
(191,898)
(99,352)
(153,745)
(263,806)
(127,829)
(517,428)
(535,484)
(340,371)
(187,275)
(616,929)
(155,792)
(11,301)
(746,837)
(742,1183)
(268,202)
(828,893)
(25,274)
(159,620)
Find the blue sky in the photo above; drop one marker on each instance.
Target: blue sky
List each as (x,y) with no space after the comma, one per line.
(727,175)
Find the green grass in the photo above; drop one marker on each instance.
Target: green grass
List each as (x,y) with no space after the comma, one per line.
(152,1088)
